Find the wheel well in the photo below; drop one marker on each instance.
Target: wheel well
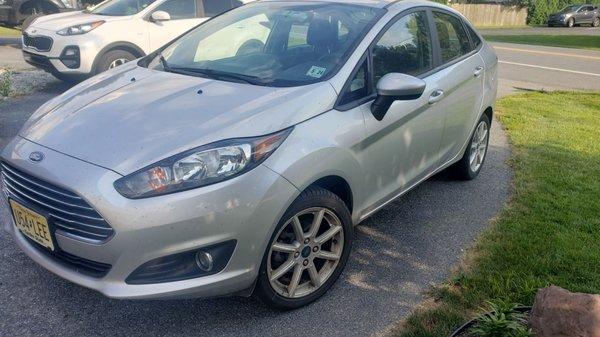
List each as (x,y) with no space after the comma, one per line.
(127,46)
(489,112)
(338,186)
(130,48)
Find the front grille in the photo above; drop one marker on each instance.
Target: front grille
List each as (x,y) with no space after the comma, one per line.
(66,211)
(79,264)
(39,43)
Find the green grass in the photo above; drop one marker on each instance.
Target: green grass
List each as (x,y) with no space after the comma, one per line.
(549,232)
(566,41)
(6,32)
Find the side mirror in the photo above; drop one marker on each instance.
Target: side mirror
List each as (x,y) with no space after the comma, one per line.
(160,16)
(395,87)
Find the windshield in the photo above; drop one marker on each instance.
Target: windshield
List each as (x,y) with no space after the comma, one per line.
(121,7)
(569,9)
(274,44)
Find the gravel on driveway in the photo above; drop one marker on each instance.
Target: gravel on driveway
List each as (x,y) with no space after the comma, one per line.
(401,250)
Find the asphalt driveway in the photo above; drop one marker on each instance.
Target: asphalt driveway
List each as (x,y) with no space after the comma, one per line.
(402,249)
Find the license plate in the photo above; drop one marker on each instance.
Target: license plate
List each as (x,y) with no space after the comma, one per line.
(32,224)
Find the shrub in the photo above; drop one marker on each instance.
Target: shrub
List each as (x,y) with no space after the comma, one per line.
(5,82)
(503,321)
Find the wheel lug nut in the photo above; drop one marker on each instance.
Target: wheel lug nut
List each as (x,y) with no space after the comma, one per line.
(296,254)
(305,263)
(306,241)
(315,248)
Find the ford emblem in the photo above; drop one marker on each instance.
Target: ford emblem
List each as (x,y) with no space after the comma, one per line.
(36,157)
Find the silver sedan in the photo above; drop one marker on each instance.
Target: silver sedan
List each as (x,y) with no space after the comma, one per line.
(208,170)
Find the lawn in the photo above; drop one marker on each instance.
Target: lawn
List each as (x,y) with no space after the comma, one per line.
(6,32)
(549,232)
(567,41)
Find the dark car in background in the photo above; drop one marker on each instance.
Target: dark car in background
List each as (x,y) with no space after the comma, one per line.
(575,15)
(14,12)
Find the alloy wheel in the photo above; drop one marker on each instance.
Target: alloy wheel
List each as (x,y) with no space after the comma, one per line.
(479,145)
(305,252)
(117,63)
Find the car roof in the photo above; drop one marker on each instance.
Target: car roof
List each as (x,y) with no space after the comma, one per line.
(396,4)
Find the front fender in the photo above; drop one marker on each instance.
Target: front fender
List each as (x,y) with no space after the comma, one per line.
(311,153)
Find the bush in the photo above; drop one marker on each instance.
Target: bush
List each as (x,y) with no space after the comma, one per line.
(5,82)
(503,321)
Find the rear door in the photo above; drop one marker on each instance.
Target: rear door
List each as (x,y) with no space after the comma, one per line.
(461,81)
(589,14)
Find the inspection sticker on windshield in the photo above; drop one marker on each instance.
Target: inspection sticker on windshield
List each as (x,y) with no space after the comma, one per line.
(316,72)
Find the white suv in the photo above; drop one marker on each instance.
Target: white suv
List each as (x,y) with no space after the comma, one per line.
(76,45)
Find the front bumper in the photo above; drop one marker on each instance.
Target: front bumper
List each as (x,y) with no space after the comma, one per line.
(557,21)
(245,209)
(53,59)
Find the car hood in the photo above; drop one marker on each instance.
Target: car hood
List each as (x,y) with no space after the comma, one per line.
(129,118)
(59,21)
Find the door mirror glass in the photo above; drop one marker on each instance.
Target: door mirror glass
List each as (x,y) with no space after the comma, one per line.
(393,87)
(160,16)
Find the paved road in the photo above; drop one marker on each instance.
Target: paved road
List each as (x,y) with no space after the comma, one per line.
(547,68)
(398,252)
(584,30)
(10,51)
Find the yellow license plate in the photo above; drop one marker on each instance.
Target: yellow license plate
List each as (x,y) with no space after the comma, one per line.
(32,224)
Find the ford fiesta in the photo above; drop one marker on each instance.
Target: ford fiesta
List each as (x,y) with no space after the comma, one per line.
(204,170)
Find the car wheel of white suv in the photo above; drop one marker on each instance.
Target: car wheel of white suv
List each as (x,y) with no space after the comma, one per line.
(307,252)
(113,58)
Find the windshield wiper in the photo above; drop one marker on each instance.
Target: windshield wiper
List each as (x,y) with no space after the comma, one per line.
(218,75)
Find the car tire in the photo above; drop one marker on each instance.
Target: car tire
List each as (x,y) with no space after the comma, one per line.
(314,274)
(571,23)
(596,22)
(28,20)
(35,9)
(470,164)
(113,58)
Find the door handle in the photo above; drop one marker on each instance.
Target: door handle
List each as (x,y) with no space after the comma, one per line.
(436,96)
(478,71)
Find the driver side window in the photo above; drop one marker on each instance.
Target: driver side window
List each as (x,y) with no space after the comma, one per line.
(404,48)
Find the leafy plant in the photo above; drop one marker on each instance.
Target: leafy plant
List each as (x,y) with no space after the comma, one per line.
(503,321)
(5,82)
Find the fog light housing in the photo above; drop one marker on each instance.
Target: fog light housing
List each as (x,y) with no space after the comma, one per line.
(70,57)
(184,266)
(204,261)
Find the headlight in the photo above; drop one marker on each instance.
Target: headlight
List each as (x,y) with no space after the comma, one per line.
(199,167)
(80,29)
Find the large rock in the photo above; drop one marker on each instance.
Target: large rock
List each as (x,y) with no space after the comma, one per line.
(560,313)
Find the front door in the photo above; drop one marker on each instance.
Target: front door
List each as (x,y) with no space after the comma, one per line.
(403,147)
